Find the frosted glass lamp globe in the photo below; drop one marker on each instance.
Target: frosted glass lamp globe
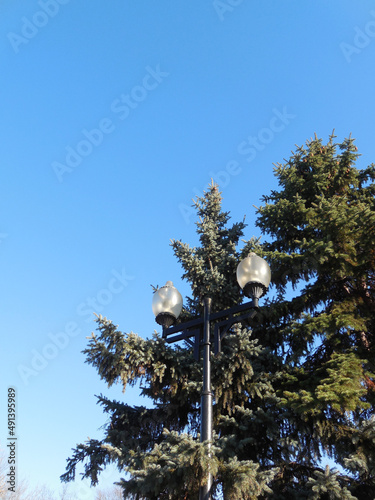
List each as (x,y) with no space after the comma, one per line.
(167,304)
(254,276)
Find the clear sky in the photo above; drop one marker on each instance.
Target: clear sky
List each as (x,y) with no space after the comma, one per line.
(113,116)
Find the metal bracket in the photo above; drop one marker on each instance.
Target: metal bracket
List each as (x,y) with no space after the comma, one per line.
(194,328)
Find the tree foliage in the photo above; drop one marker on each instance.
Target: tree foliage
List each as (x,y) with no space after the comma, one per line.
(294,386)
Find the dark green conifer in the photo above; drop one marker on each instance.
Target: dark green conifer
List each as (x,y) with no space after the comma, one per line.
(322,229)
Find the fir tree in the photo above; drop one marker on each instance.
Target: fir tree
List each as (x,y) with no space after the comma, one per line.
(322,225)
(296,384)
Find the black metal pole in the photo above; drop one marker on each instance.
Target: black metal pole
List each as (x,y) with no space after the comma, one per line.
(206,400)
(193,328)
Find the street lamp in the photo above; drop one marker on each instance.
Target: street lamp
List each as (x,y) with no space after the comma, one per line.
(253,276)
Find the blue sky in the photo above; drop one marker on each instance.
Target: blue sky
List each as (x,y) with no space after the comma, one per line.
(114,115)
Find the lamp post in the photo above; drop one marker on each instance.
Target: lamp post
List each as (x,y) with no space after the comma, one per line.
(253,276)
